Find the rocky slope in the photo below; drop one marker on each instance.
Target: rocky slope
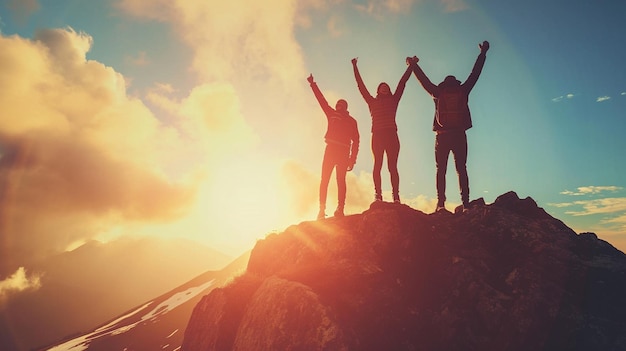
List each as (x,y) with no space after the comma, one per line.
(502,276)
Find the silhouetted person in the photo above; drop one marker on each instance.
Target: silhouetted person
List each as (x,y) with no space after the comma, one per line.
(452,119)
(342,148)
(383,109)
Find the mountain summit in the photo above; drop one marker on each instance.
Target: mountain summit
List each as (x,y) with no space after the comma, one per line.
(501,276)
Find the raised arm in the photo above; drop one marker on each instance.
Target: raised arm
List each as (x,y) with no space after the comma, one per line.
(421,77)
(359,82)
(318,95)
(404,78)
(478,66)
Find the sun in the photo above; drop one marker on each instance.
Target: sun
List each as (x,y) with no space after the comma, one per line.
(244,199)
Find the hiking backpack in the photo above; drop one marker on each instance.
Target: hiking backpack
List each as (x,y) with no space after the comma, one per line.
(451,108)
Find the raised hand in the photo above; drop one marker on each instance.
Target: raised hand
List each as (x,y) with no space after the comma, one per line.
(310,78)
(484,46)
(412,60)
(354,60)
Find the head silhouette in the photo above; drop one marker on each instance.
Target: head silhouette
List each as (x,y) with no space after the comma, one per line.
(450,81)
(383,89)
(341,105)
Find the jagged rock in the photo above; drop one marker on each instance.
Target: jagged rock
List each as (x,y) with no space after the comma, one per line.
(503,276)
(268,322)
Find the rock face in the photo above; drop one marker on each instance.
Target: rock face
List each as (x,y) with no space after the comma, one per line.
(501,276)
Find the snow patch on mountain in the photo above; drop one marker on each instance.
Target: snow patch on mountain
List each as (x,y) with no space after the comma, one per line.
(129,321)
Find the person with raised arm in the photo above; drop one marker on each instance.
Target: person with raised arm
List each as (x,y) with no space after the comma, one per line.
(383,108)
(342,148)
(452,119)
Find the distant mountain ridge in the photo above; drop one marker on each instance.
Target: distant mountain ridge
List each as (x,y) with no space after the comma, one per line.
(502,276)
(158,324)
(98,281)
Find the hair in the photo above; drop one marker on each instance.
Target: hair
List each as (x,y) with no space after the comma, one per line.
(450,80)
(380,85)
(342,101)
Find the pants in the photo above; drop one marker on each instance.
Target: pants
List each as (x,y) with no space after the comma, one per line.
(335,157)
(386,142)
(455,142)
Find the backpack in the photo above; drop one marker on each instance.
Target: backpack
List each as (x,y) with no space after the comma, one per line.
(451,108)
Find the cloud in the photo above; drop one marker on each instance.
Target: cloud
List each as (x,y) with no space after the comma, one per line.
(623,93)
(603,98)
(78,155)
(250,46)
(17,282)
(599,206)
(560,98)
(612,211)
(232,39)
(586,190)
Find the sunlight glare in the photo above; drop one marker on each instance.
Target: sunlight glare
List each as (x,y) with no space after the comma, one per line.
(244,198)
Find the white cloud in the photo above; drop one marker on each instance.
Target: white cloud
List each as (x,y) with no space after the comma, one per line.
(562,97)
(18,281)
(599,206)
(586,190)
(603,98)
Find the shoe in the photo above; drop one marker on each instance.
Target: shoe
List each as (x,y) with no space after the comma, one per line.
(466,207)
(339,212)
(378,197)
(440,206)
(396,199)
(321,214)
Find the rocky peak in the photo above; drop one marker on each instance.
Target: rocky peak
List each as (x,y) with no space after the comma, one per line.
(501,276)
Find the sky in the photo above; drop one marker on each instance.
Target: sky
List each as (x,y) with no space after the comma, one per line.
(194,119)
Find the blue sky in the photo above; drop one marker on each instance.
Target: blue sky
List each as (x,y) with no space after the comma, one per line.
(187,116)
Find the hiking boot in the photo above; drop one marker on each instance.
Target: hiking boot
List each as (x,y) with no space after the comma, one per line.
(378,197)
(466,207)
(440,206)
(396,198)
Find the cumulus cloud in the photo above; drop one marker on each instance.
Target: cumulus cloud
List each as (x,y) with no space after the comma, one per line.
(250,46)
(232,39)
(77,153)
(19,281)
(586,190)
(603,98)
